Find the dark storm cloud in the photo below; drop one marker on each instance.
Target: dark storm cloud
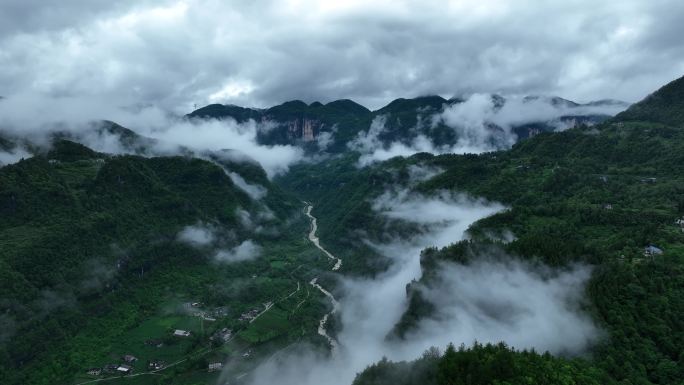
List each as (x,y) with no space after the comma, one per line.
(175,53)
(27,16)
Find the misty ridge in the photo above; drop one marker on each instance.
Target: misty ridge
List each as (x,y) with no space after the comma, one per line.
(478,123)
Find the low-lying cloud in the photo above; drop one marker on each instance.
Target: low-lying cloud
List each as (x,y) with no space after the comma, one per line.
(35,117)
(480,123)
(512,301)
(245,251)
(216,240)
(254,191)
(525,306)
(197,235)
(471,117)
(98,275)
(373,149)
(421,173)
(13,156)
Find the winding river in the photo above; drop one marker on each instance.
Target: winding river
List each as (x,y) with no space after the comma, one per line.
(336,305)
(314,239)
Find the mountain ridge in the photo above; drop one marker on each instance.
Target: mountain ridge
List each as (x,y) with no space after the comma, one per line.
(342,121)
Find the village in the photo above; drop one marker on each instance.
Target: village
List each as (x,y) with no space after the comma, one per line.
(199,336)
(128,364)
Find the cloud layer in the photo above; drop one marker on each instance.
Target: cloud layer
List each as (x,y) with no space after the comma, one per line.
(492,301)
(34,117)
(480,123)
(175,53)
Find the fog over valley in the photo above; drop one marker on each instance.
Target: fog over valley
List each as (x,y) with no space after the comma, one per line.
(309,192)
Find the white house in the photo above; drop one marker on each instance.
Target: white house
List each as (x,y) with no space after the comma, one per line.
(125,369)
(181,333)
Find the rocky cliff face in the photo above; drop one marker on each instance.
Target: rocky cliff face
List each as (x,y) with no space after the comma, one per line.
(308,130)
(304,129)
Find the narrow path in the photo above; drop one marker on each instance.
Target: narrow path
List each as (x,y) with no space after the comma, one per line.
(267,307)
(293,293)
(336,305)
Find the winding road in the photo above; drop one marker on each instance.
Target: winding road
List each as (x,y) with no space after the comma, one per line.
(336,305)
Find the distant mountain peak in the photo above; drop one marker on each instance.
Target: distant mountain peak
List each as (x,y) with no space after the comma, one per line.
(347,105)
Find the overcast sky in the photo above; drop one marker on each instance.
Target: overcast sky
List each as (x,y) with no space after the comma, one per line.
(175,54)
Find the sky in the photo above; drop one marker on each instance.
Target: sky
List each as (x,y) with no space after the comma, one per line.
(175,54)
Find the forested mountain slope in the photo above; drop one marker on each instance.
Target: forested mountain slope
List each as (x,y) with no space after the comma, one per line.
(93,245)
(664,106)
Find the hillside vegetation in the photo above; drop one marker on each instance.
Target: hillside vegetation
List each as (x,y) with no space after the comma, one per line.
(91,265)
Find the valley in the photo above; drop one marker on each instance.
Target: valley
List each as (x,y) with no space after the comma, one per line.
(405,192)
(144,268)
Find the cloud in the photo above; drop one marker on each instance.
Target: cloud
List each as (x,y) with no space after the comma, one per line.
(373,149)
(13,156)
(26,16)
(481,123)
(245,251)
(51,300)
(216,135)
(325,139)
(526,306)
(443,214)
(98,275)
(471,118)
(175,53)
(499,300)
(197,235)
(245,218)
(420,173)
(254,191)
(206,236)
(35,117)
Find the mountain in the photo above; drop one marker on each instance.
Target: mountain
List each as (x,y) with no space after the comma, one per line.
(295,122)
(665,106)
(334,126)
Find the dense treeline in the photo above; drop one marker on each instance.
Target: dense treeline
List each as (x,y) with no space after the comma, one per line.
(483,365)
